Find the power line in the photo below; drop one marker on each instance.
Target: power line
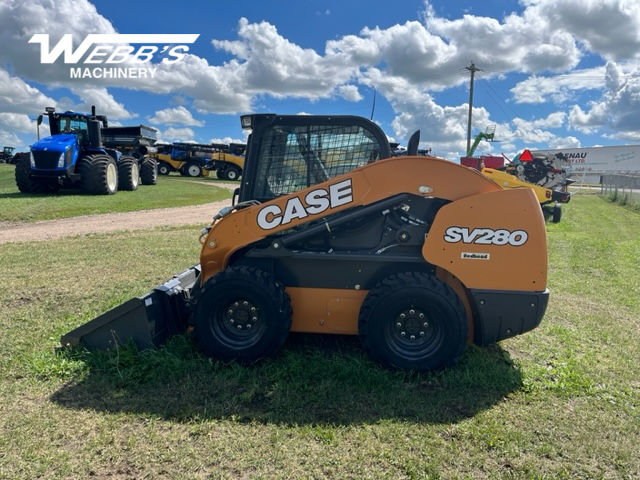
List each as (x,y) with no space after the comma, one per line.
(489,89)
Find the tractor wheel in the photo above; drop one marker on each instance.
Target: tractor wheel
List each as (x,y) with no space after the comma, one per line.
(220,174)
(23,177)
(164,168)
(192,169)
(557,213)
(231,173)
(128,174)
(99,174)
(413,321)
(149,171)
(243,314)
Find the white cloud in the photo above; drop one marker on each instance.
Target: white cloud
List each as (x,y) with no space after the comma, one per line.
(560,88)
(607,27)
(10,140)
(103,101)
(350,93)
(17,96)
(176,135)
(406,63)
(175,116)
(228,140)
(16,122)
(269,63)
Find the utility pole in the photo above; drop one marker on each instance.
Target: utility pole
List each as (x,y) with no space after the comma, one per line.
(473,71)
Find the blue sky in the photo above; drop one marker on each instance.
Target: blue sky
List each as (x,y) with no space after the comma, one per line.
(553,73)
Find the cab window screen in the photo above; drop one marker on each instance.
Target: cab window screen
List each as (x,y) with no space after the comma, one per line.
(299,156)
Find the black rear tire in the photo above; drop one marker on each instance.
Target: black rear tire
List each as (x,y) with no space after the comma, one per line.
(232,173)
(128,174)
(557,213)
(99,174)
(149,171)
(242,314)
(413,321)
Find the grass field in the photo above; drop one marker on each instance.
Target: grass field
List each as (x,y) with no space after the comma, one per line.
(169,192)
(562,401)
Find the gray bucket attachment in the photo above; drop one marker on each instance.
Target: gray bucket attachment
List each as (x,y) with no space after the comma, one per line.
(147,320)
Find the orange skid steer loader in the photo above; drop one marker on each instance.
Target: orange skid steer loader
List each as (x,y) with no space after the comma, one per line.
(328,233)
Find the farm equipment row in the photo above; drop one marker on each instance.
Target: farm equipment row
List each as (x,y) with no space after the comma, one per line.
(197,160)
(330,233)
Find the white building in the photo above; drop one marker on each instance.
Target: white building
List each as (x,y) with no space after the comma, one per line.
(589,164)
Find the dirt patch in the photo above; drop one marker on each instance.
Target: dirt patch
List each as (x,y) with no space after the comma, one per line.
(114,222)
(110,222)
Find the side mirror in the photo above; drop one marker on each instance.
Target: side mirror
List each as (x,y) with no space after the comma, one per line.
(236,194)
(412,146)
(39,120)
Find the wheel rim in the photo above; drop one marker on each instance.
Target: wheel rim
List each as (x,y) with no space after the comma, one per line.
(112,177)
(163,170)
(414,332)
(238,323)
(194,171)
(135,174)
(232,174)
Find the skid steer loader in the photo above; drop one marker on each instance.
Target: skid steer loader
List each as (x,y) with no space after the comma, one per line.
(328,233)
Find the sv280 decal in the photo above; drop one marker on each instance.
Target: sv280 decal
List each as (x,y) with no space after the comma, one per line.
(486,236)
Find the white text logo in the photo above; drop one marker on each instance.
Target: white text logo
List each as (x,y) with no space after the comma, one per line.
(113,49)
(317,201)
(486,236)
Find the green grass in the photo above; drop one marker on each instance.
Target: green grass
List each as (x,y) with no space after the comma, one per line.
(169,192)
(561,401)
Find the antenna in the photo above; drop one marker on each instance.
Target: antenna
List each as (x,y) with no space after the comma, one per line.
(373,107)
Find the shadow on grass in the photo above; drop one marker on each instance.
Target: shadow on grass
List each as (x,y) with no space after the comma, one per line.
(56,194)
(325,381)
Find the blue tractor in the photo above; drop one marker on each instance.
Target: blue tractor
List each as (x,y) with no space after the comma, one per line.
(74,156)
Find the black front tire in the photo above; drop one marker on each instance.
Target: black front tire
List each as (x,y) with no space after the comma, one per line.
(128,174)
(164,168)
(242,314)
(192,169)
(149,172)
(23,177)
(24,181)
(413,321)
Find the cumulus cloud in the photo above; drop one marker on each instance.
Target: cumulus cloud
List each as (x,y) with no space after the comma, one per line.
(175,116)
(176,135)
(607,27)
(408,64)
(617,110)
(560,88)
(17,122)
(103,101)
(228,140)
(349,92)
(17,96)
(269,63)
